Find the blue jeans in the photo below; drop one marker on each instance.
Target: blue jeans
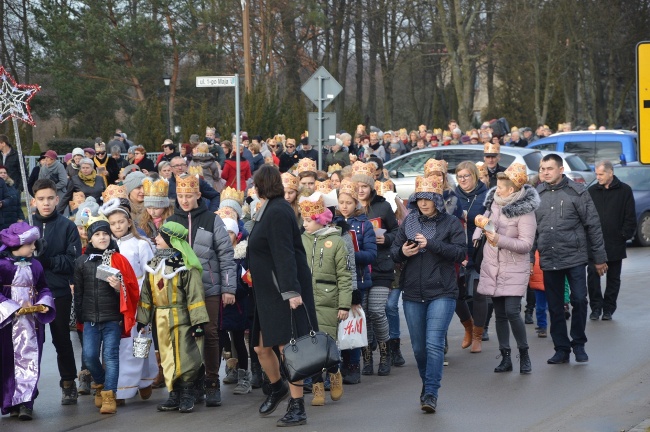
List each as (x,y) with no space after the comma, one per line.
(541,306)
(392,313)
(428,323)
(107,334)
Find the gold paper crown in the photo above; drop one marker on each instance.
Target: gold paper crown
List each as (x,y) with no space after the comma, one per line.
(490,148)
(323,186)
(427,184)
(194,170)
(77,199)
(113,191)
(310,208)
(437,131)
(186,183)
(332,168)
(92,219)
(382,187)
(227,213)
(433,165)
(517,174)
(290,181)
(482,168)
(349,187)
(360,168)
(157,188)
(446,134)
(233,194)
(306,164)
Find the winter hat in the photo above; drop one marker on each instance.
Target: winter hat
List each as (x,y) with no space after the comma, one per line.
(465,139)
(77,151)
(231,225)
(51,154)
(67,157)
(86,209)
(18,234)
(156,191)
(233,205)
(132,181)
(116,205)
(96,224)
(89,150)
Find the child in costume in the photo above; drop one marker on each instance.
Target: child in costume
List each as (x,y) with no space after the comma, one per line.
(26,305)
(105,307)
(173,297)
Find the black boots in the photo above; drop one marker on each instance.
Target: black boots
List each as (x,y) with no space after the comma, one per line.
(353,375)
(525,367)
(528,316)
(279,391)
(295,415)
(366,355)
(384,359)
(256,372)
(212,393)
(506,361)
(396,358)
(172,403)
(186,404)
(69,393)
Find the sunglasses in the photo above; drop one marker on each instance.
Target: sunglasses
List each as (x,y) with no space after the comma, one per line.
(291,146)
(101,153)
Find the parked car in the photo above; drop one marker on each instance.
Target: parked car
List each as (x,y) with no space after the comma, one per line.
(574,167)
(637,176)
(592,146)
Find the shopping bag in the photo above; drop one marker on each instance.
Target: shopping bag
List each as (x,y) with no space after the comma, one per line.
(353,332)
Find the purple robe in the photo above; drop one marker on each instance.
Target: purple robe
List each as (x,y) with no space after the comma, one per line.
(21,337)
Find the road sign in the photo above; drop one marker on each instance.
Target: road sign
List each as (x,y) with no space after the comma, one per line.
(330,87)
(215,81)
(643,100)
(329,128)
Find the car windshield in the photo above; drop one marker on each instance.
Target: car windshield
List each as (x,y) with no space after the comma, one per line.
(411,165)
(638,178)
(576,164)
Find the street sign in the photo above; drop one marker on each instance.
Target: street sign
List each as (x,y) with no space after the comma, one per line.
(215,81)
(643,100)
(330,87)
(329,128)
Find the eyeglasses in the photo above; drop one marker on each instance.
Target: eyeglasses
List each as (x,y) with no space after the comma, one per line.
(178,165)
(101,153)
(463,177)
(291,146)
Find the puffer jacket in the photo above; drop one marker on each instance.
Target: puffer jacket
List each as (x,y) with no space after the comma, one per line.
(505,269)
(472,203)
(94,299)
(367,252)
(383,269)
(431,274)
(209,165)
(331,274)
(210,241)
(568,226)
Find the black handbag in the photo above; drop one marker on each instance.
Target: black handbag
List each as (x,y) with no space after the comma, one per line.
(309,355)
(477,257)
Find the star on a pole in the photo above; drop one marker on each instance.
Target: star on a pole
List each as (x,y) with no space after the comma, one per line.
(14,98)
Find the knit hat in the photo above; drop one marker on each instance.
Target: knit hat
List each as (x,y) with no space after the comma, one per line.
(231,225)
(77,151)
(51,154)
(67,157)
(363,173)
(89,150)
(96,224)
(18,234)
(231,203)
(156,191)
(86,209)
(132,181)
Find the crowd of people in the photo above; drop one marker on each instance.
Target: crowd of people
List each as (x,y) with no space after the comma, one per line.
(215,269)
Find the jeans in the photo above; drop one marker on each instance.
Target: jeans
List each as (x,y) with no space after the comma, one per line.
(507,315)
(392,313)
(596,300)
(60,331)
(541,306)
(554,285)
(96,335)
(428,323)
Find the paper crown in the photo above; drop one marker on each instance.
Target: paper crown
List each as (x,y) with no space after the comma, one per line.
(155,187)
(306,164)
(427,184)
(77,199)
(186,183)
(290,181)
(383,187)
(332,168)
(437,131)
(446,134)
(349,187)
(92,219)
(194,170)
(227,213)
(517,174)
(114,191)
(233,194)
(312,205)
(323,186)
(482,168)
(433,165)
(491,148)
(360,168)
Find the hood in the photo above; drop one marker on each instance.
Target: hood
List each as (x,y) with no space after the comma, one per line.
(200,209)
(479,189)
(240,249)
(528,203)
(324,232)
(203,157)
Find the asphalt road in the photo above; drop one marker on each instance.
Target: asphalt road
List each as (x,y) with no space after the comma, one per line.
(610,393)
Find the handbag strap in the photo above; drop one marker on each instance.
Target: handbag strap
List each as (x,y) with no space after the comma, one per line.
(312,333)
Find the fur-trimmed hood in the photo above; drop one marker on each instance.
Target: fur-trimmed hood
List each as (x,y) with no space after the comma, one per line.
(240,249)
(528,203)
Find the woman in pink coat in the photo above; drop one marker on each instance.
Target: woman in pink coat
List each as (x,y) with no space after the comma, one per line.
(505,269)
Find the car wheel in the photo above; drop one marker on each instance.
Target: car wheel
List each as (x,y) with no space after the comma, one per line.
(643,230)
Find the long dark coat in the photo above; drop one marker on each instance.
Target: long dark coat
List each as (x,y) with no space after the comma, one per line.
(279,270)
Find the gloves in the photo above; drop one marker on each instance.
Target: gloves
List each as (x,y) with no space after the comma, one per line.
(140,326)
(197,330)
(356,297)
(41,244)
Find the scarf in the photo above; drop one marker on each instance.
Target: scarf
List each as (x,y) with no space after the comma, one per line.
(515,196)
(137,160)
(89,180)
(417,223)
(157,221)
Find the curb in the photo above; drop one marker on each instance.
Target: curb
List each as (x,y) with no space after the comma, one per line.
(641,427)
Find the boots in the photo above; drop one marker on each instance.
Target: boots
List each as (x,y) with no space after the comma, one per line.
(506,361)
(319,394)
(367,361)
(469,327)
(97,388)
(212,393)
(525,367)
(69,393)
(336,386)
(243,383)
(231,372)
(145,392)
(476,339)
(353,376)
(172,402)
(256,375)
(159,382)
(384,359)
(186,403)
(295,415)
(84,382)
(109,405)
(278,391)
(396,353)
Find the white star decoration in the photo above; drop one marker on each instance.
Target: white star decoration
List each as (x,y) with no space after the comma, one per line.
(14,98)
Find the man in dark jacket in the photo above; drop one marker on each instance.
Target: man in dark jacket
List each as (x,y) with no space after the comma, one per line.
(568,230)
(62,247)
(491,157)
(210,198)
(306,150)
(10,160)
(211,242)
(614,202)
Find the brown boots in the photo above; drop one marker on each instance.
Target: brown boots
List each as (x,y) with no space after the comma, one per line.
(97,388)
(476,339)
(469,327)
(109,405)
(159,382)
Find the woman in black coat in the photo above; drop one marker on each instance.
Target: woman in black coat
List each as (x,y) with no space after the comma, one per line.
(281,282)
(87,181)
(12,212)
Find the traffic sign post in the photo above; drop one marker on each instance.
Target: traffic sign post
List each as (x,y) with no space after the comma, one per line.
(643,100)
(321,88)
(328,125)
(226,81)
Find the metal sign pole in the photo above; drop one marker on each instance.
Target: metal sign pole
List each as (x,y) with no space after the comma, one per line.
(320,122)
(238,156)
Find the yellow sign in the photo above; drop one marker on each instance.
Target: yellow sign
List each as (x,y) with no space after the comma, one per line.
(643,100)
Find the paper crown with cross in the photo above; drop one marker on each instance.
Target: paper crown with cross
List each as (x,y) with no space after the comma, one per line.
(517,174)
(360,168)
(350,188)
(427,184)
(186,183)
(290,181)
(114,191)
(433,165)
(233,194)
(383,187)
(306,164)
(312,205)
(491,149)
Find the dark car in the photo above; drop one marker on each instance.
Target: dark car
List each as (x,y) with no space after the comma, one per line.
(637,176)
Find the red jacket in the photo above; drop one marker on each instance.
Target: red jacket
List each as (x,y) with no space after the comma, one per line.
(229,173)
(537,278)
